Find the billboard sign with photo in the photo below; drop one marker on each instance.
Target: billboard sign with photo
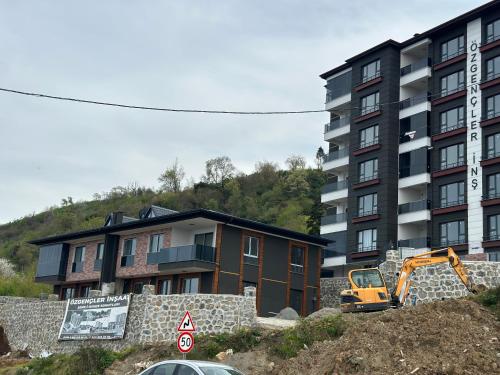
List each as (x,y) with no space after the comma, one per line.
(95,318)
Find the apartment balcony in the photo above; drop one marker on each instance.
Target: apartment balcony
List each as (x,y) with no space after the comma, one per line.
(451,168)
(414,212)
(416,72)
(450,130)
(339,127)
(338,92)
(333,223)
(450,206)
(187,258)
(52,263)
(336,160)
(415,104)
(413,176)
(334,192)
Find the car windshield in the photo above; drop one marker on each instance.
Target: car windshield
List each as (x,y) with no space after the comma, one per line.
(212,370)
(367,278)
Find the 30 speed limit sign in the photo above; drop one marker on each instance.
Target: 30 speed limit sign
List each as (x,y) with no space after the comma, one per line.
(185,342)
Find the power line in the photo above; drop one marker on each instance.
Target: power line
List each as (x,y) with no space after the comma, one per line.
(87,101)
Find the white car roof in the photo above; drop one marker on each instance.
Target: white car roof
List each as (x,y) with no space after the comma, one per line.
(196,363)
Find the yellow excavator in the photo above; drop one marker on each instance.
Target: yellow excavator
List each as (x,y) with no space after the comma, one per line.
(369,291)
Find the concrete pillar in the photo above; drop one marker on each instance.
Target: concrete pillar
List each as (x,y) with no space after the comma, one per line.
(108,289)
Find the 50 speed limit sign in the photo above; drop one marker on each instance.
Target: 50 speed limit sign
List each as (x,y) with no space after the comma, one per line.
(185,342)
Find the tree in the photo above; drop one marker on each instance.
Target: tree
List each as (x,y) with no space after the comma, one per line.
(219,170)
(171,179)
(295,162)
(320,154)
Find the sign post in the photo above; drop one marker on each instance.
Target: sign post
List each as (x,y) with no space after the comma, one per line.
(185,341)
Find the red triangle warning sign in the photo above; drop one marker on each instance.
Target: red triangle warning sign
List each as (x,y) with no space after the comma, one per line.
(187,324)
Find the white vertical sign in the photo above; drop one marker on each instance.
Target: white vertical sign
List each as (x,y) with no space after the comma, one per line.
(474,147)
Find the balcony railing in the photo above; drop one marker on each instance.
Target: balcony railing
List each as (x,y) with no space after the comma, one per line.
(369,78)
(415,243)
(337,123)
(492,237)
(460,87)
(492,114)
(369,109)
(492,195)
(458,163)
(449,127)
(492,154)
(410,102)
(368,177)
(422,63)
(182,254)
(414,206)
(97,264)
(446,57)
(333,219)
(446,204)
(362,248)
(335,186)
(460,241)
(369,143)
(491,76)
(363,213)
(491,38)
(334,155)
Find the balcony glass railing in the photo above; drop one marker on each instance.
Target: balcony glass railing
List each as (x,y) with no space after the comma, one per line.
(362,248)
(363,213)
(491,195)
(369,143)
(449,56)
(492,237)
(454,164)
(451,242)
(410,102)
(182,254)
(491,76)
(413,170)
(368,78)
(334,219)
(449,127)
(414,206)
(492,114)
(338,86)
(417,65)
(451,203)
(334,155)
(337,123)
(450,91)
(415,243)
(335,186)
(368,177)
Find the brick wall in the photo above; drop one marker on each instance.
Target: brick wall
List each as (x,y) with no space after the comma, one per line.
(88,272)
(140,267)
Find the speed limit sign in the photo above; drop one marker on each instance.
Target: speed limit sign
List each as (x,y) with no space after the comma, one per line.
(185,342)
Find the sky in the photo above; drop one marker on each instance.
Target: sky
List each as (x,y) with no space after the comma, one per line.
(255,55)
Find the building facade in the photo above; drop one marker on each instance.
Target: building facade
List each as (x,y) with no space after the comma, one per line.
(198,251)
(414,145)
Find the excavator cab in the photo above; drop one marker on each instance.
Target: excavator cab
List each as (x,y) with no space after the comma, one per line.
(368,292)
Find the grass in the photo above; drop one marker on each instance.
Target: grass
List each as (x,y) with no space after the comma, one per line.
(22,286)
(306,333)
(491,299)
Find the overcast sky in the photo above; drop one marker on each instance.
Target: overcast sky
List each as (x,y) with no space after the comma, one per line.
(232,55)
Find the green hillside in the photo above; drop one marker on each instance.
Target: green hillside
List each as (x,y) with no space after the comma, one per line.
(287,198)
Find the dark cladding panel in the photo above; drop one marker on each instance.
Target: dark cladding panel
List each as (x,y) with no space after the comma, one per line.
(52,262)
(275,264)
(230,249)
(228,283)
(273,298)
(108,272)
(312,261)
(310,300)
(250,273)
(297,281)
(206,282)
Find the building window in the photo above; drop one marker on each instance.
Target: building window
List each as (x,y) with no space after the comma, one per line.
(493,106)
(493,146)
(368,170)
(493,228)
(165,286)
(493,186)
(368,136)
(155,243)
(452,83)
(129,246)
(452,48)
(251,247)
(452,119)
(68,293)
(367,205)
(79,254)
(494,257)
(452,156)
(493,31)
(84,291)
(369,103)
(297,259)
(100,251)
(190,285)
(205,239)
(452,194)
(493,68)
(367,240)
(138,286)
(452,233)
(370,71)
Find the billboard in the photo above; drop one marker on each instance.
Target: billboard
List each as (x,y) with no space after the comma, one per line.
(95,318)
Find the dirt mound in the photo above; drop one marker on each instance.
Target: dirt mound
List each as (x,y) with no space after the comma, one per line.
(446,337)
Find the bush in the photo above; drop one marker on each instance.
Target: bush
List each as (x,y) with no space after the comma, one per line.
(306,333)
(22,286)
(490,298)
(208,346)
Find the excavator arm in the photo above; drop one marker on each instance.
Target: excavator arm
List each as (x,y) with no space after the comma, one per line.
(403,282)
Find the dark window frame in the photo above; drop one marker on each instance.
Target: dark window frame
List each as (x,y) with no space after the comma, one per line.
(365,71)
(99,253)
(297,256)
(446,197)
(491,65)
(364,140)
(460,48)
(132,249)
(491,35)
(445,90)
(493,230)
(460,156)
(444,117)
(364,206)
(156,242)
(493,186)
(373,240)
(248,249)
(365,108)
(461,233)
(491,106)
(493,146)
(362,170)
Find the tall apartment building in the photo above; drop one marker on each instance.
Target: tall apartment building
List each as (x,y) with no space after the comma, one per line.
(414,145)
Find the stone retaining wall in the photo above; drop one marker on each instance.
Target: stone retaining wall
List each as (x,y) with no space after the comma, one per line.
(428,283)
(34,326)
